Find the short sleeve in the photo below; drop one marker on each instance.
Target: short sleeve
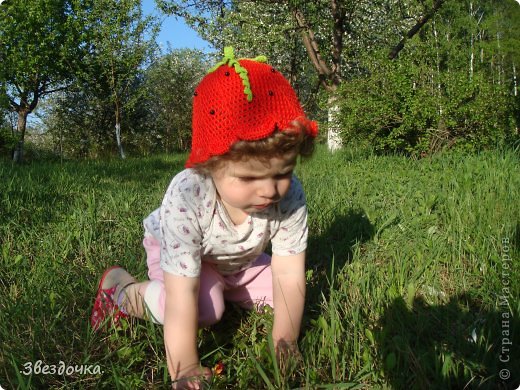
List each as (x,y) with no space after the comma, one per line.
(290,236)
(152,224)
(181,214)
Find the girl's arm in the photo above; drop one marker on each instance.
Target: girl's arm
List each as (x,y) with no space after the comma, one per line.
(289,298)
(180,330)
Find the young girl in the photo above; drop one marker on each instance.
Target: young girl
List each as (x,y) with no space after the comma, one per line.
(205,244)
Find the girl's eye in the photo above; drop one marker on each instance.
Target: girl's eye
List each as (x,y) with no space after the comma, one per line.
(277,177)
(284,175)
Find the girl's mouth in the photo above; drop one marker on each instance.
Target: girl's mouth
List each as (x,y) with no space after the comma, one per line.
(261,206)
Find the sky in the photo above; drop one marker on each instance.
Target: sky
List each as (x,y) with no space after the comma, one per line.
(174,31)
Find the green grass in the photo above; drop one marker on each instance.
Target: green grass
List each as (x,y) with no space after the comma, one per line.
(410,282)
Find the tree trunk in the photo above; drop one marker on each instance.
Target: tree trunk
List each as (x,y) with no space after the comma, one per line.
(471,59)
(515,85)
(20,129)
(118,138)
(333,135)
(498,59)
(330,78)
(473,13)
(118,133)
(438,70)
(415,29)
(471,55)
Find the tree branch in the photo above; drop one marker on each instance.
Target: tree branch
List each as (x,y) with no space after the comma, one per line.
(15,105)
(309,41)
(36,93)
(18,89)
(56,90)
(415,29)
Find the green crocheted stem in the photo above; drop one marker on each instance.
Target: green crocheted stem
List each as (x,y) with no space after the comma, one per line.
(229,59)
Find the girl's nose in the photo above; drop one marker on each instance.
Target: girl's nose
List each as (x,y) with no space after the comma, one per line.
(268,189)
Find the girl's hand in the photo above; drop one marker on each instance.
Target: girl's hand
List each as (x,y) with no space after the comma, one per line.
(288,355)
(192,378)
(285,349)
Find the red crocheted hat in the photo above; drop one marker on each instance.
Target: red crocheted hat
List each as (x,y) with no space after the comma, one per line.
(243,99)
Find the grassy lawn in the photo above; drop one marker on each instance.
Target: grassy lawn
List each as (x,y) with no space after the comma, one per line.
(413,274)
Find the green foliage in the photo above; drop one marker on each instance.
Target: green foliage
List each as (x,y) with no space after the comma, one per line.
(169,84)
(121,42)
(461,63)
(396,108)
(80,122)
(108,89)
(156,113)
(447,89)
(408,268)
(34,41)
(7,140)
(386,108)
(41,43)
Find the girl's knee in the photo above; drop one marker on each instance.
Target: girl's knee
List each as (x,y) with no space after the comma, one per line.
(154,299)
(210,315)
(211,296)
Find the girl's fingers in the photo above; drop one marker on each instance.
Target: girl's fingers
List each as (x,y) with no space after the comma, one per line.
(193,379)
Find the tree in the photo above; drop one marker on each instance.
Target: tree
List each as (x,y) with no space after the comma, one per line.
(121,42)
(80,120)
(169,85)
(108,91)
(40,43)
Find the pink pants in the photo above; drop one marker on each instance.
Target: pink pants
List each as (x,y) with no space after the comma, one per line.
(248,288)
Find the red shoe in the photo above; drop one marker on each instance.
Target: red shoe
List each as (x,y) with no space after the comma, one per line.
(105,305)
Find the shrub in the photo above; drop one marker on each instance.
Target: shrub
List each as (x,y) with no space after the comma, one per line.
(407,106)
(8,140)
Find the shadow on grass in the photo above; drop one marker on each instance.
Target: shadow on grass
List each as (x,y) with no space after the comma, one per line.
(449,346)
(338,241)
(327,254)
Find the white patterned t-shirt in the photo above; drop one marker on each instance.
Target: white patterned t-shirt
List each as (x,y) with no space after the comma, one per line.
(192,226)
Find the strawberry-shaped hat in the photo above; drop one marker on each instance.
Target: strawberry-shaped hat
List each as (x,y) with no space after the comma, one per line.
(243,99)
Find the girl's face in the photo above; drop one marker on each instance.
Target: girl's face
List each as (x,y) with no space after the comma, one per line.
(251,186)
